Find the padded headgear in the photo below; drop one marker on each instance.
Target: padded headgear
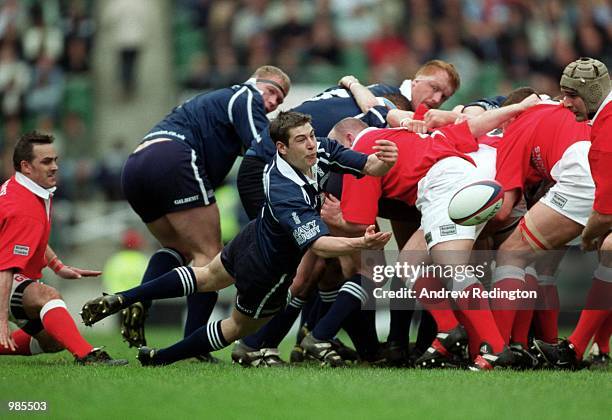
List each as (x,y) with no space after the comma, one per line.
(589,78)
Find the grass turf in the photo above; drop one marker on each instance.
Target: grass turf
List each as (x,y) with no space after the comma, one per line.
(192,389)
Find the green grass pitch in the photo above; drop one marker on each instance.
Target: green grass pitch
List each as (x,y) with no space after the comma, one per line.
(195,390)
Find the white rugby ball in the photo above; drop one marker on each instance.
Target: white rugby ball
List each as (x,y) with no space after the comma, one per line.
(476,203)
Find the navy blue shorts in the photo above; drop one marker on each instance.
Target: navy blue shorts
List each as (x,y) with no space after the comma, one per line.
(261,292)
(165,177)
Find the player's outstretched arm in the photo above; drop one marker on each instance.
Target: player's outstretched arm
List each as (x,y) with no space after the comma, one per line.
(331,213)
(362,95)
(6,280)
(66,271)
(380,162)
(331,246)
(494,118)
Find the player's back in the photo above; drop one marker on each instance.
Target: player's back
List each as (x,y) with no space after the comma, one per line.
(548,130)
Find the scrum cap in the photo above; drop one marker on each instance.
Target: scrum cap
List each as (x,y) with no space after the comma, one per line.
(589,78)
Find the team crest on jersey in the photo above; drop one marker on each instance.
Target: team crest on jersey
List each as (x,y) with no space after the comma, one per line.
(306,232)
(21,250)
(296,218)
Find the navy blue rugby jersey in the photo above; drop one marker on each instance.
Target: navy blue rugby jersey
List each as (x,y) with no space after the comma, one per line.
(219,125)
(290,220)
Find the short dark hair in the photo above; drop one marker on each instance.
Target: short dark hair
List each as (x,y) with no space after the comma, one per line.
(285,121)
(518,94)
(399,100)
(24,149)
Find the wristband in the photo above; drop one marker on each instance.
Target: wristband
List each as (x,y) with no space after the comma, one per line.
(55,264)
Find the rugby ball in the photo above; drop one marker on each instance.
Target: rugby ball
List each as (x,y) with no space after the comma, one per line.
(476,203)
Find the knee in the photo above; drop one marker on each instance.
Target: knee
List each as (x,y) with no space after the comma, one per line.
(39,295)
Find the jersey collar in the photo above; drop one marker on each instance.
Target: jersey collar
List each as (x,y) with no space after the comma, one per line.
(406,89)
(293,174)
(253,83)
(33,186)
(604,103)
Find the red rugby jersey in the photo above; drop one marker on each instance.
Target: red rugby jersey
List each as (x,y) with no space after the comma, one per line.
(600,157)
(417,154)
(25,210)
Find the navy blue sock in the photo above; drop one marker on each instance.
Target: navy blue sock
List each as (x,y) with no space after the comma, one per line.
(199,308)
(427,331)
(271,334)
(162,261)
(313,312)
(179,282)
(360,326)
(327,298)
(203,340)
(350,297)
(400,316)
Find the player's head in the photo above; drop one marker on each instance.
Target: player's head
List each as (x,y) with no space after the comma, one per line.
(518,94)
(434,83)
(345,131)
(295,139)
(585,83)
(35,157)
(274,85)
(396,101)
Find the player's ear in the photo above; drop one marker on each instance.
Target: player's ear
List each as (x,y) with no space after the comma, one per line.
(281,147)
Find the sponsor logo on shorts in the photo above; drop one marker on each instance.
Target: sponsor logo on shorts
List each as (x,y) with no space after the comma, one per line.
(296,218)
(21,250)
(558,200)
(428,237)
(447,230)
(306,232)
(242,308)
(186,199)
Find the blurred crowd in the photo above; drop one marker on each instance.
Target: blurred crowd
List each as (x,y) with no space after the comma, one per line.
(46,78)
(46,81)
(495,44)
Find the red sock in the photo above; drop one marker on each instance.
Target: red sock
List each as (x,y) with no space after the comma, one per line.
(478,314)
(523,317)
(593,316)
(504,310)
(546,317)
(602,336)
(22,341)
(60,325)
(440,309)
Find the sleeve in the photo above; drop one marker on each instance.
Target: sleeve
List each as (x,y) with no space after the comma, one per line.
(513,157)
(601,162)
(340,159)
(301,221)
(376,116)
(19,239)
(460,136)
(248,115)
(360,197)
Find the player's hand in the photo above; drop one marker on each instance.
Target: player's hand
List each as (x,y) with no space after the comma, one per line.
(529,101)
(375,240)
(347,81)
(67,272)
(589,244)
(6,340)
(331,213)
(414,126)
(386,151)
(435,118)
